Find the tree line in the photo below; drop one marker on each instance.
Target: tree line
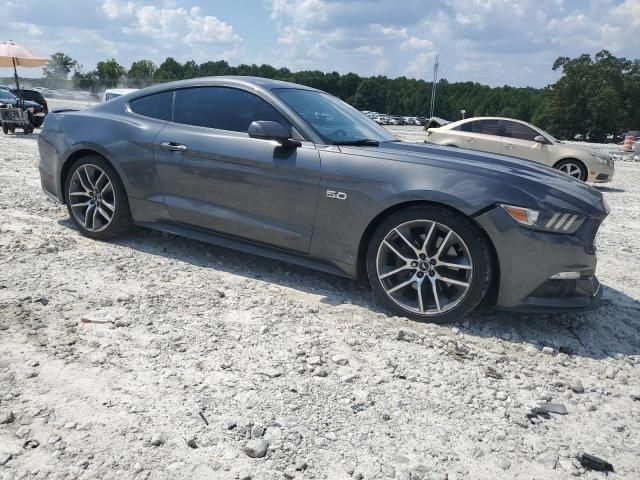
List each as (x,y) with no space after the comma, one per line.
(593,97)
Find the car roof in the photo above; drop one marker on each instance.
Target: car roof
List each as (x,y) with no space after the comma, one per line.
(246,81)
(14,89)
(470,119)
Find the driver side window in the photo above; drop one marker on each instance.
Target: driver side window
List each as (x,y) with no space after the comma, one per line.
(223,108)
(519,131)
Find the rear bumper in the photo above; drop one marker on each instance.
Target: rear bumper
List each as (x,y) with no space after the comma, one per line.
(47,168)
(527,259)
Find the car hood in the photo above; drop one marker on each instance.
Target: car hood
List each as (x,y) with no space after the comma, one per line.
(514,178)
(580,148)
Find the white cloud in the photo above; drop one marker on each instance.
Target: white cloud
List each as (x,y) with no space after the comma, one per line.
(30,28)
(416,43)
(421,65)
(117,8)
(373,50)
(190,27)
(389,31)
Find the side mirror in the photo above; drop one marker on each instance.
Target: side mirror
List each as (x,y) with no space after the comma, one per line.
(268,130)
(540,139)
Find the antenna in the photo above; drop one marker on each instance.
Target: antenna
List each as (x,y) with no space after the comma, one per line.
(433,86)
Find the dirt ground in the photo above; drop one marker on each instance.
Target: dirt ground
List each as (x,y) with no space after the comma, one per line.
(157,357)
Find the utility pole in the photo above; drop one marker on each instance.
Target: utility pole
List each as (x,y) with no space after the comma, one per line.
(433,86)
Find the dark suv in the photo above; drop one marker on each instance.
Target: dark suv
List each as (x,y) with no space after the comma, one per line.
(36,97)
(32,96)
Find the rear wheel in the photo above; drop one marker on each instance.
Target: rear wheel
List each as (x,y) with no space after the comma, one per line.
(429,263)
(573,168)
(5,129)
(96,199)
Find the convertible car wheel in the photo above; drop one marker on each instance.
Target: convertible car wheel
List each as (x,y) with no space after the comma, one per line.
(429,263)
(96,199)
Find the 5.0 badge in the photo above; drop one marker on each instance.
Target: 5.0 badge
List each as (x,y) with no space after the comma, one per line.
(336,195)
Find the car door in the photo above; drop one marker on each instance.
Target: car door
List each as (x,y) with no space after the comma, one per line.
(216,177)
(518,141)
(483,135)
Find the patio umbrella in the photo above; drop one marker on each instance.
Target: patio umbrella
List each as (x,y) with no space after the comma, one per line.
(15,55)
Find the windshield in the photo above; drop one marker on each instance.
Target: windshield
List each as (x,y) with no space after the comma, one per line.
(332,119)
(5,95)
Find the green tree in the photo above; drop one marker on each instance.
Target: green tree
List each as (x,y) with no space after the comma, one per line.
(169,70)
(85,81)
(190,70)
(109,73)
(594,97)
(59,67)
(142,70)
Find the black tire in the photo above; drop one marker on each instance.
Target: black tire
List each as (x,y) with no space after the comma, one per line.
(121,222)
(478,276)
(38,121)
(28,130)
(567,164)
(5,129)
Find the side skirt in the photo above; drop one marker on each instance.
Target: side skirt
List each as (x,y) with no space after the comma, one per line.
(233,243)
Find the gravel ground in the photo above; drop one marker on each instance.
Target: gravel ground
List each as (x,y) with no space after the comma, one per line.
(156,357)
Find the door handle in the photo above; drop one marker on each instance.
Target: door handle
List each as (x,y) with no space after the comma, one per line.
(506,145)
(470,140)
(173,147)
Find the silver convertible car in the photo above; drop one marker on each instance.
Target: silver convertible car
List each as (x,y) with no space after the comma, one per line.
(295,174)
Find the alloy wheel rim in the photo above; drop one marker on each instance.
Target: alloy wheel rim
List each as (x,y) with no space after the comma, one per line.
(92,198)
(572,170)
(424,267)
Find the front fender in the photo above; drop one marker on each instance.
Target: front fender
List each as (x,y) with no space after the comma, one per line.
(371,186)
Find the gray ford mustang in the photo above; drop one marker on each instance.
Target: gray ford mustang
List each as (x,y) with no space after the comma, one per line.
(295,174)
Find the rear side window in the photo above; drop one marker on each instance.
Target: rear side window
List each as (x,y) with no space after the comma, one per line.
(158,105)
(32,96)
(519,131)
(223,108)
(486,127)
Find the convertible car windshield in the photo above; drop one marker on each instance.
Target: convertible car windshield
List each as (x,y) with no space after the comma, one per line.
(334,120)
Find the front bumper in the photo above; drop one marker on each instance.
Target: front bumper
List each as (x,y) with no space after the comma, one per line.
(527,259)
(600,173)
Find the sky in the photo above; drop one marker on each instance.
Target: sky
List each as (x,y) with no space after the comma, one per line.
(495,42)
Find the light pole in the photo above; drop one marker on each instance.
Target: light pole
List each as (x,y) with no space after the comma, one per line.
(462,112)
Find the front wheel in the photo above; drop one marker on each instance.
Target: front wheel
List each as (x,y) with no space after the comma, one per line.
(429,263)
(5,129)
(96,199)
(573,168)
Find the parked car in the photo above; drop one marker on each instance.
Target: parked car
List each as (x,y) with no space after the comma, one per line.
(111,93)
(292,173)
(634,133)
(36,113)
(520,139)
(37,97)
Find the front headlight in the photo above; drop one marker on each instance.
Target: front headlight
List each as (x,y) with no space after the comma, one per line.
(548,221)
(601,158)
